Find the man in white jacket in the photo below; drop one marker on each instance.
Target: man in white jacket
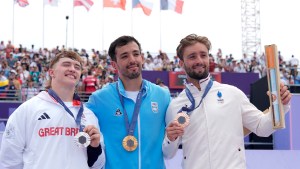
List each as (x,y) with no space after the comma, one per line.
(210,127)
(42,133)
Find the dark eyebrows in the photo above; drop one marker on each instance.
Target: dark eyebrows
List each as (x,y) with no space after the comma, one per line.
(135,51)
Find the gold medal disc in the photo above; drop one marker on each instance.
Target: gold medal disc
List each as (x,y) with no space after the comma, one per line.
(130,143)
(182,119)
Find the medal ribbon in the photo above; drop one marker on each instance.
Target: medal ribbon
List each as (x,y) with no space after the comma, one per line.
(76,98)
(130,127)
(192,100)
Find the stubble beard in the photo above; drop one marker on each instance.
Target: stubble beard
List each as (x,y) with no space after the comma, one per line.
(134,75)
(196,75)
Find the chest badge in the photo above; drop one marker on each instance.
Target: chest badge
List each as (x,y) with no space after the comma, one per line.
(118,112)
(220,99)
(154,107)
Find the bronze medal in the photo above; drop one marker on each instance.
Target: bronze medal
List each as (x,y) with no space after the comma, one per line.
(130,143)
(182,119)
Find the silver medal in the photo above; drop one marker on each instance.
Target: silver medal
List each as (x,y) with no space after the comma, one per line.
(82,139)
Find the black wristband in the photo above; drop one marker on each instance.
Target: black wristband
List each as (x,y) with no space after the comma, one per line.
(93,154)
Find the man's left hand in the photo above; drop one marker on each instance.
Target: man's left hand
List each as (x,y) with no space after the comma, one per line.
(94,133)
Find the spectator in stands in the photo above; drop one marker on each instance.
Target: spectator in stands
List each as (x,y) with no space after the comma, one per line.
(2,46)
(178,68)
(9,49)
(148,65)
(255,67)
(149,56)
(207,118)
(212,64)
(110,79)
(139,102)
(240,67)
(294,62)
(34,74)
(83,53)
(11,91)
(102,83)
(13,78)
(30,91)
(245,59)
(90,83)
(297,78)
(161,83)
(49,121)
(280,58)
(3,85)
(24,74)
(158,63)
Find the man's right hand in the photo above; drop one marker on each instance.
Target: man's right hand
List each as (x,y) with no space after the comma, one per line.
(174,131)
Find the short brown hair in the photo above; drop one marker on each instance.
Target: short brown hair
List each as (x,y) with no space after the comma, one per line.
(121,41)
(190,40)
(64,54)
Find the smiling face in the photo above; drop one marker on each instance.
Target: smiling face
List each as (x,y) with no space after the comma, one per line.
(65,70)
(196,61)
(128,61)
(193,51)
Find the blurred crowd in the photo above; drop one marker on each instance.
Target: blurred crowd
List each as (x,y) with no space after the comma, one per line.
(26,69)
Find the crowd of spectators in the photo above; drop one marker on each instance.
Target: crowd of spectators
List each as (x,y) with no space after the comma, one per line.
(26,70)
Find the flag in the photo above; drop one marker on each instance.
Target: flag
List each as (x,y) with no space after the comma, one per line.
(114,3)
(146,6)
(86,3)
(22,3)
(51,2)
(175,5)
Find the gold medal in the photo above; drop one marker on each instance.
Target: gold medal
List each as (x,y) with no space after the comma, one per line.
(130,143)
(182,119)
(82,139)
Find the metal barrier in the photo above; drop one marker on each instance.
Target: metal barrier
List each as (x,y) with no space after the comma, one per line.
(18,95)
(10,95)
(84,96)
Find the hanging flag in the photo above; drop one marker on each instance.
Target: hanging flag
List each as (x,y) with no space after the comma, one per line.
(86,3)
(22,3)
(175,5)
(114,3)
(51,2)
(145,5)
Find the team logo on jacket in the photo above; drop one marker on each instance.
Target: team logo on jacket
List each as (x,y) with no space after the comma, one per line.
(118,112)
(154,107)
(10,132)
(44,116)
(220,99)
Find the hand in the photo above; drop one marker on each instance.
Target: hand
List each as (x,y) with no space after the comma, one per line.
(174,131)
(285,94)
(94,133)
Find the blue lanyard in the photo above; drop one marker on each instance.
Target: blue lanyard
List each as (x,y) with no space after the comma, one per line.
(76,97)
(130,127)
(192,100)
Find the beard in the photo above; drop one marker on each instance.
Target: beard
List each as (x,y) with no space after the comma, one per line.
(135,74)
(196,74)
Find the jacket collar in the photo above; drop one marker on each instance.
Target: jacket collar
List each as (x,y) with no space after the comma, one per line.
(203,83)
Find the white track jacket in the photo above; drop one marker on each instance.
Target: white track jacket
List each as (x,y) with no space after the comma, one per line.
(40,135)
(214,138)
